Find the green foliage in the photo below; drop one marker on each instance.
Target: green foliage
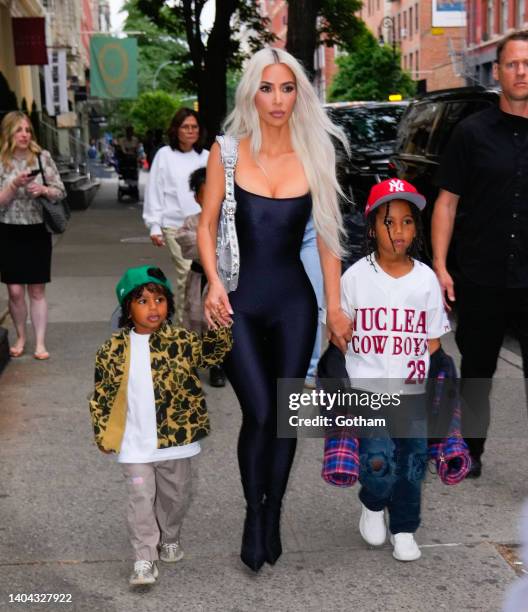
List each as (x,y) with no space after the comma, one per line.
(233,77)
(370,72)
(157,46)
(152,110)
(340,24)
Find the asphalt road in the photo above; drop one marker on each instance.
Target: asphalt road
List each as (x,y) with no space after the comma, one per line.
(62,503)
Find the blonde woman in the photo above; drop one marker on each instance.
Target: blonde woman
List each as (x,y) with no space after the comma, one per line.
(285,170)
(25,244)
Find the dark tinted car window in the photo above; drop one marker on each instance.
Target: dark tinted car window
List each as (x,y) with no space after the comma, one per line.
(453,114)
(365,126)
(416,127)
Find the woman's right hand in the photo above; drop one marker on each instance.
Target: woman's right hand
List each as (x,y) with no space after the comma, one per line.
(21,180)
(157,240)
(217,308)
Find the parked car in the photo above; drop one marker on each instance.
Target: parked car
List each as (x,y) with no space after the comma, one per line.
(424,132)
(371,128)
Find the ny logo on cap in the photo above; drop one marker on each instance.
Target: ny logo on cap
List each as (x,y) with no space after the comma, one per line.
(396,185)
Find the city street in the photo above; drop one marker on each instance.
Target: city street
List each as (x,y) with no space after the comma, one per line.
(63,508)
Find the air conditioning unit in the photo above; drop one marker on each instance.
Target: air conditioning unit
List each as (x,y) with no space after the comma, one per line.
(403,33)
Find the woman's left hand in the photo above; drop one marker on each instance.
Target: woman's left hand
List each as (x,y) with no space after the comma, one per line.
(339,328)
(37,190)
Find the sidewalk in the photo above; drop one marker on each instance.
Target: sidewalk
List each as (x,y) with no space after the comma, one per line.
(62,503)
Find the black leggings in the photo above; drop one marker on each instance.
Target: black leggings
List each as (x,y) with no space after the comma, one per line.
(263,351)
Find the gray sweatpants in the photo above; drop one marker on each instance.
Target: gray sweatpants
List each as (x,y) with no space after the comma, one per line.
(158,497)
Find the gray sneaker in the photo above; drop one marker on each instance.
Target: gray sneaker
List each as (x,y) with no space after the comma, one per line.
(145,572)
(170,553)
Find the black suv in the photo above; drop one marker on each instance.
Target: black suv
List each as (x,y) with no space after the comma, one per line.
(424,132)
(371,128)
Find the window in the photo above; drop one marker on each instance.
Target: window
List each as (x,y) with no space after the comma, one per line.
(416,128)
(417,23)
(377,5)
(365,126)
(491,17)
(504,16)
(410,22)
(404,33)
(519,17)
(398,31)
(417,63)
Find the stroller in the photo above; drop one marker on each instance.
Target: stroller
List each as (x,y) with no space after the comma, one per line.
(127,170)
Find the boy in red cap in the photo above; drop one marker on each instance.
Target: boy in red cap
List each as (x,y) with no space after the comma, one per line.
(396,305)
(149,408)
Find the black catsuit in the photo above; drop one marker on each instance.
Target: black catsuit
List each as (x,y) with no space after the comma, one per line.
(274,326)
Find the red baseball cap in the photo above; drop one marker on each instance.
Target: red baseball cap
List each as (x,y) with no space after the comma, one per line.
(393,189)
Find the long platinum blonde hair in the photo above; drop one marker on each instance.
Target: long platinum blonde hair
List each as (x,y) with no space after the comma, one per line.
(311,131)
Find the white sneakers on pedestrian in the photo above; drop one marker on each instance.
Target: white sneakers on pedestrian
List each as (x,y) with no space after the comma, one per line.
(145,572)
(405,547)
(372,526)
(170,553)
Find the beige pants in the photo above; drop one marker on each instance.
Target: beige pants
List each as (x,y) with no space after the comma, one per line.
(181,267)
(158,497)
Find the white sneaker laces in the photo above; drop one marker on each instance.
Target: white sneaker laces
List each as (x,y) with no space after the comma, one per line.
(143,566)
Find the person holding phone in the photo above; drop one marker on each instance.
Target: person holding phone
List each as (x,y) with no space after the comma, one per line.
(25,244)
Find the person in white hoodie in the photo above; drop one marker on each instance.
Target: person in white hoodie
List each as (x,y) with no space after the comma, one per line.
(168,198)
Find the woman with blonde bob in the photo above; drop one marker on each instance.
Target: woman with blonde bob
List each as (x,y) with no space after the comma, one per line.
(285,170)
(25,244)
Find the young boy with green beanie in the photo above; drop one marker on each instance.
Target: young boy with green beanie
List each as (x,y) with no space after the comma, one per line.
(148,408)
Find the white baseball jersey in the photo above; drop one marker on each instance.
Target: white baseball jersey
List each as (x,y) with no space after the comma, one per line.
(393,319)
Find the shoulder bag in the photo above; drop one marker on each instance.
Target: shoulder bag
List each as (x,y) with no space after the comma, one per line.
(227,253)
(55,214)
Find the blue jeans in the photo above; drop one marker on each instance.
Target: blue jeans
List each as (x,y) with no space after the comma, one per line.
(392,470)
(312,265)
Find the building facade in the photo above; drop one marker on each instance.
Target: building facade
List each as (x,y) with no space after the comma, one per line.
(429,34)
(23,81)
(489,21)
(324,61)
(54,93)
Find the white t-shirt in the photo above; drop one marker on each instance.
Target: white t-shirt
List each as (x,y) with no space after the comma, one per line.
(140,440)
(168,198)
(393,319)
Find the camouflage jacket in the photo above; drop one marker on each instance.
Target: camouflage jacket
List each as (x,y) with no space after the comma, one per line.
(175,353)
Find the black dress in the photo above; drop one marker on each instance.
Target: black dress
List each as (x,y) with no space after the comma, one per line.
(275,322)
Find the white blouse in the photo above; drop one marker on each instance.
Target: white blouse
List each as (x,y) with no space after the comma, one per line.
(168,197)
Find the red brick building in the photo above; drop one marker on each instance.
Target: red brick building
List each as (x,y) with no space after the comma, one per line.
(430,35)
(277,13)
(489,21)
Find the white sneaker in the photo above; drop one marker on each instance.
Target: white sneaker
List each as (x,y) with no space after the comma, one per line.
(145,572)
(405,547)
(372,526)
(170,553)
